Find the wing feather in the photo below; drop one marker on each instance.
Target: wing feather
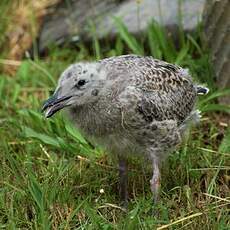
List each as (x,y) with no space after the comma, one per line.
(167,90)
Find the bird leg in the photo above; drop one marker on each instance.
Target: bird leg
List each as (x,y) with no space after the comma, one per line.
(155,181)
(123,181)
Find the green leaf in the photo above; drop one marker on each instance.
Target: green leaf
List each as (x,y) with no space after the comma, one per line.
(96,44)
(153,42)
(127,37)
(15,94)
(195,44)
(2,84)
(36,116)
(215,107)
(75,133)
(161,45)
(182,54)
(214,95)
(36,192)
(24,69)
(30,133)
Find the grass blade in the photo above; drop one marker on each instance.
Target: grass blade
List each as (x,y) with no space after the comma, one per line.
(129,39)
(215,107)
(30,133)
(215,95)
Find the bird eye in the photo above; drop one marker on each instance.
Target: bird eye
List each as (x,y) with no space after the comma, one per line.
(81,82)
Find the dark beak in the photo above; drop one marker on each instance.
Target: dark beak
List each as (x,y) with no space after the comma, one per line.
(54,104)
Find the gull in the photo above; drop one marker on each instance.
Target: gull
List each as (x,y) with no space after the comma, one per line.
(130,105)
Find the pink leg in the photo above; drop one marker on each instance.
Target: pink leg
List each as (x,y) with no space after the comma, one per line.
(155,181)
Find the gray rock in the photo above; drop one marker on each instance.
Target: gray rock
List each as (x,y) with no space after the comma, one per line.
(80,18)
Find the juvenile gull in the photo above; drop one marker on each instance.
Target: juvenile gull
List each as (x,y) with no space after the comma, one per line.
(131,105)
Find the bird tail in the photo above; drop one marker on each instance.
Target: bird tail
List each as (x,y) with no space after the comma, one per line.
(201,90)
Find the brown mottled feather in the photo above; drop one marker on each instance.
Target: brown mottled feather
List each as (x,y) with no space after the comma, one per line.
(168,92)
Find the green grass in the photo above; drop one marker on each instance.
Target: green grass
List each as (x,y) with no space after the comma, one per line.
(51,177)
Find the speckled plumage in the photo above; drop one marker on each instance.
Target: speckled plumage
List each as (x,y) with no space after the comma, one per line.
(143,99)
(130,104)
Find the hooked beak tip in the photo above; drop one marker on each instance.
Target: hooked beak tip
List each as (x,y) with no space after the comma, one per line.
(49,102)
(54,104)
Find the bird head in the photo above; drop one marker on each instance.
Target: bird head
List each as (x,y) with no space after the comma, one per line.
(78,85)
